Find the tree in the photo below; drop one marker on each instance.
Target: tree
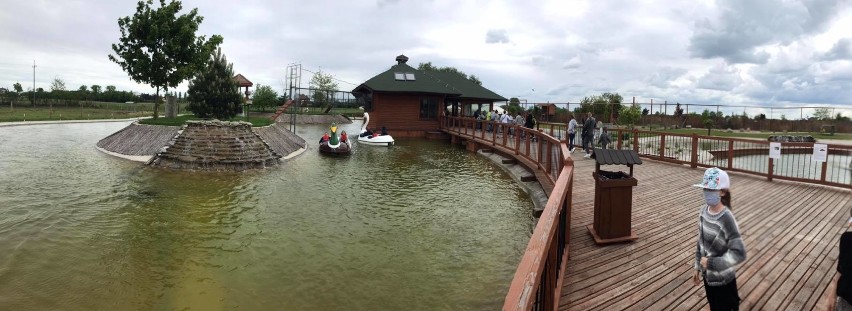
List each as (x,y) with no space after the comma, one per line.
(213,92)
(645,111)
(429,67)
(629,116)
(57,84)
(513,107)
(822,113)
(83,88)
(159,47)
(96,89)
(264,96)
(110,88)
(707,118)
(611,103)
(324,88)
(841,117)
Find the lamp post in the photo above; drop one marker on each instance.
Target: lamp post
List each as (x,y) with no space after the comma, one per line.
(247,104)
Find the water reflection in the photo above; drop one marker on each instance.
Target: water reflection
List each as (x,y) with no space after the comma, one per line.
(420,225)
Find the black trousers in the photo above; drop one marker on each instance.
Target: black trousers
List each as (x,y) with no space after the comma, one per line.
(723,297)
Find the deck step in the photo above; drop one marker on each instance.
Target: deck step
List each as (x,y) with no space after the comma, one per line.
(528,178)
(510,161)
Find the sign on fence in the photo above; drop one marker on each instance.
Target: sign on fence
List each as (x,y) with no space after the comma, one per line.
(775,150)
(820,152)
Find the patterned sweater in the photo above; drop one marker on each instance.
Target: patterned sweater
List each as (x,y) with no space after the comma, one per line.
(719,240)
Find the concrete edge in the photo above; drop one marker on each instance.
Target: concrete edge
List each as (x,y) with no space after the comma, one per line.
(20,123)
(295,153)
(533,189)
(143,159)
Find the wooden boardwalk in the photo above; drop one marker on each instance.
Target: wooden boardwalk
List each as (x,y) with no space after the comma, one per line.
(790,230)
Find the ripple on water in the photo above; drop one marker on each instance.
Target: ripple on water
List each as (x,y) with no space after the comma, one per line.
(421,225)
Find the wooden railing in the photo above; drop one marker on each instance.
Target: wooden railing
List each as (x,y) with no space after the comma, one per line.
(537,284)
(748,156)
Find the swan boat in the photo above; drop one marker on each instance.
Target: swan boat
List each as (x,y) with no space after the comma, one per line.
(368,138)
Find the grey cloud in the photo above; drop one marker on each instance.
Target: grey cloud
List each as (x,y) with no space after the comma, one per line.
(663,76)
(744,26)
(496,36)
(841,50)
(720,78)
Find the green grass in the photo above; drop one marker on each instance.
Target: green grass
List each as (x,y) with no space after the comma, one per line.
(761,135)
(180,120)
(67,113)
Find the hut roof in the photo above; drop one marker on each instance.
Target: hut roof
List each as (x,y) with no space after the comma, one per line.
(242,81)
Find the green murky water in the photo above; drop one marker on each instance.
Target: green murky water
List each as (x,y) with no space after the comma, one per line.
(419,226)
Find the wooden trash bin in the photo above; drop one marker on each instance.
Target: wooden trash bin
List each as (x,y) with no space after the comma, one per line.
(613,197)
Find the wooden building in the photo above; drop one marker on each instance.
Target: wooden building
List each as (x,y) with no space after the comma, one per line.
(408,101)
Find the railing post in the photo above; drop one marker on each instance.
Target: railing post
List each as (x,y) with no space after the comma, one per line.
(730,153)
(518,131)
(662,145)
(693,161)
(636,140)
(619,133)
(824,169)
(771,169)
(549,157)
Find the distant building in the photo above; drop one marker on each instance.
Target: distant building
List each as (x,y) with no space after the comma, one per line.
(408,101)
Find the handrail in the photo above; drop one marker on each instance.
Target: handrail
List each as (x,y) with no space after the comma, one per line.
(540,274)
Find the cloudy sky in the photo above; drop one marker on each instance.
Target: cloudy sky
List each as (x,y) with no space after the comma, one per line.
(759,52)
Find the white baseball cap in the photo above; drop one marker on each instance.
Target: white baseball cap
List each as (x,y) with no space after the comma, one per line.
(714,179)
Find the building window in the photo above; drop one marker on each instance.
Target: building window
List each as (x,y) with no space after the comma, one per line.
(399,76)
(409,76)
(428,109)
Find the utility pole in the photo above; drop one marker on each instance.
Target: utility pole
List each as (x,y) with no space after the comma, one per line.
(34,90)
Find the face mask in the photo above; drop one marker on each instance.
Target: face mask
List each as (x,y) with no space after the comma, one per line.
(712,197)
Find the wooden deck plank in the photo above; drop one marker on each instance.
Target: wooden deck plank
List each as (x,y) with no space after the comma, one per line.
(793,219)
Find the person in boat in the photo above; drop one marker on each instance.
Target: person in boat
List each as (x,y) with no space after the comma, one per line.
(343,137)
(367,133)
(376,133)
(384,130)
(324,138)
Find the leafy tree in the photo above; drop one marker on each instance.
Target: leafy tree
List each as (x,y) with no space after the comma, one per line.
(841,117)
(324,86)
(159,47)
(822,113)
(588,104)
(707,119)
(213,92)
(629,116)
(429,67)
(57,85)
(783,117)
(83,88)
(110,88)
(96,89)
(645,111)
(264,97)
(513,107)
(17,87)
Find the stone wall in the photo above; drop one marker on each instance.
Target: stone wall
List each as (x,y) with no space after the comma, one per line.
(216,145)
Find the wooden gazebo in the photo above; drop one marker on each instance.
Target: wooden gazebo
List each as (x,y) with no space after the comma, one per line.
(243,82)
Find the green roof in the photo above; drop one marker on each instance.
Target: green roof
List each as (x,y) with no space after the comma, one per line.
(426,82)
(387,82)
(468,89)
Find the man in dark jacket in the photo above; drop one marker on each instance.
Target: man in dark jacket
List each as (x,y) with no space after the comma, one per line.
(588,134)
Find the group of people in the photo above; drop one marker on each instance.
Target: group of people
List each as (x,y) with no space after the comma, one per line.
(376,133)
(520,119)
(587,134)
(343,137)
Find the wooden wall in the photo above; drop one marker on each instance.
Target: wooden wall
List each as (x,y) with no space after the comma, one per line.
(400,113)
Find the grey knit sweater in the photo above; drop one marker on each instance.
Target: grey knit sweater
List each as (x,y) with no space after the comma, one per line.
(719,240)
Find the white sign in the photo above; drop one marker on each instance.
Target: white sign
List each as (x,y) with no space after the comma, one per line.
(775,150)
(820,152)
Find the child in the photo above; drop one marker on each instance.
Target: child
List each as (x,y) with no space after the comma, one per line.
(604,139)
(720,247)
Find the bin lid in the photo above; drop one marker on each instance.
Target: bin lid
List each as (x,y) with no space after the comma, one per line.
(616,157)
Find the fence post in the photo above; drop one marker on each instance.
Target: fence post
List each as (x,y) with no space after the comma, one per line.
(771,169)
(636,140)
(693,160)
(662,145)
(824,169)
(730,153)
(619,133)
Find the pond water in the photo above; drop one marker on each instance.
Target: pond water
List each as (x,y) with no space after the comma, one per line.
(422,225)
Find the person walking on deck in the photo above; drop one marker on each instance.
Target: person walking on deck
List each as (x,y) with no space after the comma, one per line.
(840,289)
(588,134)
(720,247)
(572,132)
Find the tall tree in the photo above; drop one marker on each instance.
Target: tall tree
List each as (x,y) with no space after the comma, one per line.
(110,88)
(324,87)
(429,67)
(83,88)
(159,47)
(264,96)
(630,115)
(57,85)
(822,113)
(213,92)
(96,89)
